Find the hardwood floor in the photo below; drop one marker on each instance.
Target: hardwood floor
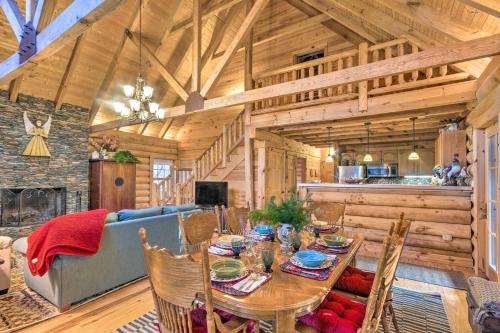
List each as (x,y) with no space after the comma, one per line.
(120,307)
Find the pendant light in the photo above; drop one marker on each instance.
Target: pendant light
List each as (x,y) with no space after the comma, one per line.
(414,155)
(368,157)
(138,104)
(331,150)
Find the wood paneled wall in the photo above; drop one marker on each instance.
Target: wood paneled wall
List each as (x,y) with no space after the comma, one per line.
(146,149)
(440,235)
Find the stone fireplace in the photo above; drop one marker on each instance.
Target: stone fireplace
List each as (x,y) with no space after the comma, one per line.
(35,189)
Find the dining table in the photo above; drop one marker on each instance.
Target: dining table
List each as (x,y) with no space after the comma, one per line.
(285,296)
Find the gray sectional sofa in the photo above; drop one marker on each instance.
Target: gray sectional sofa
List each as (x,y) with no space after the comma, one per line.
(119,260)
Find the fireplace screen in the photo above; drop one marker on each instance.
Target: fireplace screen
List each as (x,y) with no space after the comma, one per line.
(22,207)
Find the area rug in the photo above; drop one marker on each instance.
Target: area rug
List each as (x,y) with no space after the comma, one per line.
(416,312)
(440,277)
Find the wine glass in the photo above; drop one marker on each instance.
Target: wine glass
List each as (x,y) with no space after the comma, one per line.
(267,259)
(236,247)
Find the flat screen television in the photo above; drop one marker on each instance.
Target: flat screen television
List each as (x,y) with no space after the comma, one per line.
(210,193)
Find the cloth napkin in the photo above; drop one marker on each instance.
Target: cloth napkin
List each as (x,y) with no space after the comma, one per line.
(220,251)
(228,287)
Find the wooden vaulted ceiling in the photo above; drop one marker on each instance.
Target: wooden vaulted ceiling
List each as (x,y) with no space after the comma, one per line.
(104,59)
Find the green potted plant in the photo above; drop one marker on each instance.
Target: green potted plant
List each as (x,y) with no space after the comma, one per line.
(125,156)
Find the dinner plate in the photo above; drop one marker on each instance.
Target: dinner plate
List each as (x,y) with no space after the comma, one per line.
(321,242)
(243,274)
(327,263)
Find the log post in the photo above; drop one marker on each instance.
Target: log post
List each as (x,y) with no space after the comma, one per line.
(363,85)
(248,141)
(224,145)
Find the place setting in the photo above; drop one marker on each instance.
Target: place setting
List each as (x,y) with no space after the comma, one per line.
(331,244)
(228,246)
(311,264)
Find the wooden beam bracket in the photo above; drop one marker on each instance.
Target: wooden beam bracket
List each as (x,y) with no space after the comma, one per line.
(27,45)
(195,102)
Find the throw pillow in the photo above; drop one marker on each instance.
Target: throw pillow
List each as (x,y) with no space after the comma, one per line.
(134,214)
(111,217)
(180,208)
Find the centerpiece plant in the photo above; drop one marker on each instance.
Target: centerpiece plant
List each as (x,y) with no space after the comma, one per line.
(292,210)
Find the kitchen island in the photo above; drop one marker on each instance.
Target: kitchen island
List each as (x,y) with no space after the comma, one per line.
(440,235)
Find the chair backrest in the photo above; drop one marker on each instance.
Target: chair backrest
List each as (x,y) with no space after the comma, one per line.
(176,282)
(235,219)
(331,213)
(197,228)
(386,271)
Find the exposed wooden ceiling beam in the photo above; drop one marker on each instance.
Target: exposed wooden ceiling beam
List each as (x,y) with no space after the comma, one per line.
(166,126)
(155,62)
(43,14)
(70,24)
(398,29)
(349,23)
(196,57)
(363,141)
(207,12)
(102,91)
(412,100)
(14,17)
(362,135)
(242,32)
(14,87)
(491,7)
(68,72)
(336,27)
(400,102)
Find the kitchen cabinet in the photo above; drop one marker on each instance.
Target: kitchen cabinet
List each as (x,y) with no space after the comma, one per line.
(448,144)
(422,166)
(390,156)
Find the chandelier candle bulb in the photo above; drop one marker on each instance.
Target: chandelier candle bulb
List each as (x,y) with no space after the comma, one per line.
(154,107)
(119,106)
(128,90)
(148,91)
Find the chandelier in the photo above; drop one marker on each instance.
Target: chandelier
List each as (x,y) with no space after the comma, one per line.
(138,103)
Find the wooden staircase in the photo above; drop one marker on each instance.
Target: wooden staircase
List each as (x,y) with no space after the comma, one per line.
(217,161)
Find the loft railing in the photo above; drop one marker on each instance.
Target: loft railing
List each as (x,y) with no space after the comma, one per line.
(347,59)
(163,191)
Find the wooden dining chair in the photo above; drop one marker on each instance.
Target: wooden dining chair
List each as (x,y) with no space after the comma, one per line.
(399,230)
(177,282)
(235,219)
(384,276)
(333,213)
(197,228)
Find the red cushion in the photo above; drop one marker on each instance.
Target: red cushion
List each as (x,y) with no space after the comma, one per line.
(199,320)
(356,281)
(336,314)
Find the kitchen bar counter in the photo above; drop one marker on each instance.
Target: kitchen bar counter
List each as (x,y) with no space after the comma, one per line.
(440,235)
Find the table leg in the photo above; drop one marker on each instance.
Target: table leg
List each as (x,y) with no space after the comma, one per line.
(285,322)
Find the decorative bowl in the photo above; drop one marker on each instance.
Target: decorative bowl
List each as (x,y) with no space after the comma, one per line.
(226,268)
(334,240)
(226,240)
(264,229)
(311,258)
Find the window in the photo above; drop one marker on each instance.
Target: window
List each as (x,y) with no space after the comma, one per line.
(492,239)
(162,185)
(310,56)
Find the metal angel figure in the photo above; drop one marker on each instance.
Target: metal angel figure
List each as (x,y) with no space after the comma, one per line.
(37,146)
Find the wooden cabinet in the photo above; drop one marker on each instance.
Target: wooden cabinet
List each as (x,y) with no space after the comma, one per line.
(390,156)
(422,166)
(112,185)
(448,144)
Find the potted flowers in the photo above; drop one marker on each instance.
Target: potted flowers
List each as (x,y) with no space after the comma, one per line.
(105,146)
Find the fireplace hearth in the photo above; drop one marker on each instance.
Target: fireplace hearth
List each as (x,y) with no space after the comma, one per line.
(30,206)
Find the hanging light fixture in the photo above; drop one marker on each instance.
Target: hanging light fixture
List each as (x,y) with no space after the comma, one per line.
(331,150)
(414,155)
(139,104)
(368,157)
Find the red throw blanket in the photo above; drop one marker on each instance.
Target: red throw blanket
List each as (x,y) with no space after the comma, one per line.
(76,234)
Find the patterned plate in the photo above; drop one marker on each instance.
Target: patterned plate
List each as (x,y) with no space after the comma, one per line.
(327,263)
(244,273)
(321,242)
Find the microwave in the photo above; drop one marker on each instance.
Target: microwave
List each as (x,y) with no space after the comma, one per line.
(382,169)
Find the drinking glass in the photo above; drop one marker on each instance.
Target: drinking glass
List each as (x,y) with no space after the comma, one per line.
(296,242)
(317,231)
(258,255)
(236,247)
(267,259)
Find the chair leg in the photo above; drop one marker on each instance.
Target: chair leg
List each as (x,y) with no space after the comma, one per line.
(393,317)
(256,327)
(384,322)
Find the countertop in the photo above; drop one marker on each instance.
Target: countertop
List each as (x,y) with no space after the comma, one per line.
(387,186)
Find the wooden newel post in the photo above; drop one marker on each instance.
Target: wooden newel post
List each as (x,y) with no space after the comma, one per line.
(363,85)
(224,145)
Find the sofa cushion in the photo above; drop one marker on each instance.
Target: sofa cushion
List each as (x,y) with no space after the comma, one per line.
(180,208)
(111,217)
(21,245)
(134,214)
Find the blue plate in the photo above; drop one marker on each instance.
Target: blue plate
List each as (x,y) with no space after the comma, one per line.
(311,258)
(264,229)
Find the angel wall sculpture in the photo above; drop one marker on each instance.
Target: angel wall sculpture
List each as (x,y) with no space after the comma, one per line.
(37,146)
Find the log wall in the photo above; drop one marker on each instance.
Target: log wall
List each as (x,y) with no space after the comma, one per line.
(437,213)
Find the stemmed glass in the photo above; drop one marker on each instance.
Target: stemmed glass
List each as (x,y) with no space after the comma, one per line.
(236,247)
(267,259)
